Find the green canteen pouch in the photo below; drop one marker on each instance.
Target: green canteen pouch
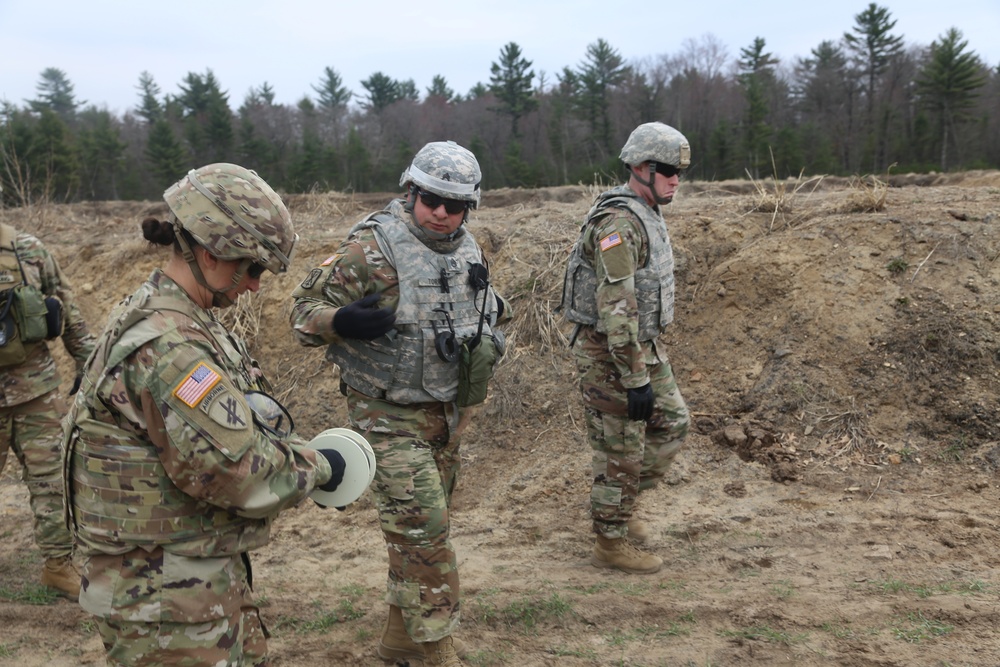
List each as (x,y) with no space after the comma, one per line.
(30,312)
(12,351)
(475,369)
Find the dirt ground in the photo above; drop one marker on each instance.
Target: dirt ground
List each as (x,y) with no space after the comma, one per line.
(835,503)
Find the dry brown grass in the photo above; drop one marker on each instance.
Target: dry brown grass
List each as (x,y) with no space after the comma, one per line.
(867,195)
(243,318)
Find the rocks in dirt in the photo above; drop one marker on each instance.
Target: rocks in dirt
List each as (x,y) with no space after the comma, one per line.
(879,552)
(757,443)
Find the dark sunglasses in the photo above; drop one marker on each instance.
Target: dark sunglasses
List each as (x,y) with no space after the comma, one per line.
(667,170)
(256,270)
(432,201)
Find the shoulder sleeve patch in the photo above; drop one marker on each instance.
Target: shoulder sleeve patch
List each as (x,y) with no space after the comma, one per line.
(330,260)
(196,385)
(225,409)
(311,279)
(610,241)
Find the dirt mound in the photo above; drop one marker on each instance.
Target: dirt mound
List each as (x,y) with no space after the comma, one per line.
(835,503)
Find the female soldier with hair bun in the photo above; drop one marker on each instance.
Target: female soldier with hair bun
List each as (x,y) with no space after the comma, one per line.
(177,459)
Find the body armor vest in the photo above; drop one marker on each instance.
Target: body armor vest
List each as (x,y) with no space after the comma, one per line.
(654,282)
(435,297)
(119,494)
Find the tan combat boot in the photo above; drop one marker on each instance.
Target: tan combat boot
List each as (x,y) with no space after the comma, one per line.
(62,575)
(396,643)
(623,555)
(442,653)
(638,530)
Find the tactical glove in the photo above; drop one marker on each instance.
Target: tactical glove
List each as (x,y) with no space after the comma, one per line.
(362,319)
(337,464)
(640,403)
(53,318)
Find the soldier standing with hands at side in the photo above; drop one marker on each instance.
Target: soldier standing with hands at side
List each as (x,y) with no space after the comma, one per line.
(619,291)
(406,309)
(36,305)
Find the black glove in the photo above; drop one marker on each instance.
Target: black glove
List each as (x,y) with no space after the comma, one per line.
(53,318)
(362,319)
(76,384)
(640,403)
(337,464)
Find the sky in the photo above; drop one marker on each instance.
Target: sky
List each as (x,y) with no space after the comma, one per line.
(104,45)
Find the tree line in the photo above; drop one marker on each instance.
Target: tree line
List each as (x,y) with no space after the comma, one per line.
(860,104)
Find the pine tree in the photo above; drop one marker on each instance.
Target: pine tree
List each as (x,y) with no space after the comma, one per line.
(149,107)
(439,89)
(102,154)
(383,91)
(601,71)
(332,94)
(873,48)
(168,160)
(510,83)
(949,84)
(756,76)
(55,94)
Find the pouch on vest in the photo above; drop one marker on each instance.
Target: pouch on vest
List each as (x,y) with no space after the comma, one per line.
(12,350)
(475,369)
(31,313)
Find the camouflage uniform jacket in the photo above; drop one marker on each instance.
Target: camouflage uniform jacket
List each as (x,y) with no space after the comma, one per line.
(38,374)
(620,281)
(421,279)
(162,449)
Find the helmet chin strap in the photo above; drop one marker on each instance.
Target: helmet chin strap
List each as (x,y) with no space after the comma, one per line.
(219,297)
(649,184)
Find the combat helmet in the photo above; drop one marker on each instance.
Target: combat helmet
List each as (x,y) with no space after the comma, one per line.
(234,214)
(447,170)
(656,142)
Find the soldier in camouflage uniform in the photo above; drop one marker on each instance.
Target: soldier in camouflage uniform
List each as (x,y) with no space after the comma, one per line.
(175,462)
(394,304)
(619,290)
(30,405)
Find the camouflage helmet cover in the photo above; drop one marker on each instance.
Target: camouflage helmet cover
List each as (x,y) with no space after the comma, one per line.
(656,142)
(446,169)
(234,214)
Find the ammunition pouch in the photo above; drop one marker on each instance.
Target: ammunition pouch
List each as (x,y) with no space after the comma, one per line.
(479,356)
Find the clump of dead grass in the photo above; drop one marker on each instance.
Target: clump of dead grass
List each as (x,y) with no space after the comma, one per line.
(845,431)
(777,198)
(867,194)
(243,318)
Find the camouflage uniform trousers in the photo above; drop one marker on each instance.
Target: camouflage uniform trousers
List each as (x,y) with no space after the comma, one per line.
(417,468)
(238,639)
(33,431)
(628,456)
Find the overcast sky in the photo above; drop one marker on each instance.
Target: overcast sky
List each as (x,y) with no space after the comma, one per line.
(104,45)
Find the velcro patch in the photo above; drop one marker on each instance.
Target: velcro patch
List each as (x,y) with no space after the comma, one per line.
(610,241)
(330,260)
(196,385)
(227,411)
(311,278)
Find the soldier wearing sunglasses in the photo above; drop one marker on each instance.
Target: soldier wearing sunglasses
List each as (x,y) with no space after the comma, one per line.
(176,459)
(397,306)
(619,291)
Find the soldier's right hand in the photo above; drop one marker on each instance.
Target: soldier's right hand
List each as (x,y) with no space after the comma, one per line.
(640,403)
(362,319)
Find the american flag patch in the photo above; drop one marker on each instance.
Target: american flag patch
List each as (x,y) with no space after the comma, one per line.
(197,383)
(610,241)
(330,260)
